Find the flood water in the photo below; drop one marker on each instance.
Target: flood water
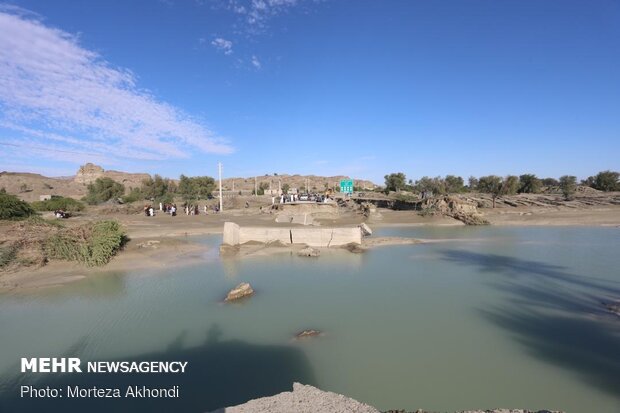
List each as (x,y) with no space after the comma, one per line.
(483,318)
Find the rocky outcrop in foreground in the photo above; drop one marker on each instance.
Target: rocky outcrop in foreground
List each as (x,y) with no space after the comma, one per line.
(308,399)
(482,411)
(303,399)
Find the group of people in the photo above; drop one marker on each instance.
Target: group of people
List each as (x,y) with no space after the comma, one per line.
(171,209)
(284,198)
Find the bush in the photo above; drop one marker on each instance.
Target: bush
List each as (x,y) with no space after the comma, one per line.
(134,195)
(102,190)
(568,185)
(7,254)
(607,181)
(93,244)
(59,202)
(529,184)
(12,207)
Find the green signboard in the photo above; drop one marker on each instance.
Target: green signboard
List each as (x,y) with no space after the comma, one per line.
(346,186)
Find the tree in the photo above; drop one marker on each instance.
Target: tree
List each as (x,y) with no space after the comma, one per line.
(261,188)
(11,207)
(155,188)
(568,185)
(395,181)
(196,187)
(491,184)
(589,181)
(472,183)
(550,182)
(529,184)
(285,188)
(427,186)
(510,185)
(454,184)
(102,190)
(607,181)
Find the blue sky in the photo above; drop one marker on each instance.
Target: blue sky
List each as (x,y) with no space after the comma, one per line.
(359,88)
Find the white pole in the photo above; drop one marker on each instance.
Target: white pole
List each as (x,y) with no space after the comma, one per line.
(219,168)
(255,188)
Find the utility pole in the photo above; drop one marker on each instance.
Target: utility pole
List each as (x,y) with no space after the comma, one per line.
(219,168)
(233,185)
(255,187)
(279,187)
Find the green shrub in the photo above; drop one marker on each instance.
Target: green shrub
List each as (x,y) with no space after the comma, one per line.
(7,254)
(135,194)
(12,207)
(102,190)
(59,202)
(37,220)
(93,244)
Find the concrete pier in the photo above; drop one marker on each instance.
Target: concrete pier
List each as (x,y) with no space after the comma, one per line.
(314,237)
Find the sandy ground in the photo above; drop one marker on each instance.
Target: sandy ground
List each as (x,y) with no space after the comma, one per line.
(166,242)
(522,216)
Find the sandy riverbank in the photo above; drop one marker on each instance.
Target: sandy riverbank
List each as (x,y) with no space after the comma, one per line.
(167,242)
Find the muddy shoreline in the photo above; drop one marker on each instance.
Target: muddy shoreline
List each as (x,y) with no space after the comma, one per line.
(167,242)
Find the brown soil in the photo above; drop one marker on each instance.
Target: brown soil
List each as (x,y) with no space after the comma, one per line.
(174,233)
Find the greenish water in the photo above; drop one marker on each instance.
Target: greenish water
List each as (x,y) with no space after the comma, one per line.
(485,317)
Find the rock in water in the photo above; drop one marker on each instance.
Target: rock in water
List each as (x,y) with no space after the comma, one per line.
(240,291)
(366,231)
(307,334)
(309,252)
(613,308)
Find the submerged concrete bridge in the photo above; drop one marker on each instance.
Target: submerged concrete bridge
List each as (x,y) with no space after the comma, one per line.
(314,237)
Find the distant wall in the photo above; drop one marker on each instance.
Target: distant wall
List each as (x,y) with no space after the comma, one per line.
(314,237)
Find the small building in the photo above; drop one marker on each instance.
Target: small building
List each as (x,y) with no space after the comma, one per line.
(45,197)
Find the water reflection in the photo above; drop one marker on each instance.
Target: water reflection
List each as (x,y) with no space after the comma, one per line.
(555,314)
(220,373)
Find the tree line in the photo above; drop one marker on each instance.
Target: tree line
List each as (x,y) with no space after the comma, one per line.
(498,186)
(155,189)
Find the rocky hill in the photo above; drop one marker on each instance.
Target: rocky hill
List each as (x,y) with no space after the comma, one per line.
(314,183)
(90,172)
(30,187)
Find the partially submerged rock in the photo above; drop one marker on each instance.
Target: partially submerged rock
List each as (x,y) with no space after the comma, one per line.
(366,231)
(149,244)
(309,252)
(307,334)
(240,291)
(229,250)
(354,248)
(613,308)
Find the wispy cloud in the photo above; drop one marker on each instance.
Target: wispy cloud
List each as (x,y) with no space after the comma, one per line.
(256,62)
(56,93)
(255,14)
(223,45)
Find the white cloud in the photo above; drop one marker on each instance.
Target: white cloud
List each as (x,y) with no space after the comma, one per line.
(223,45)
(256,13)
(54,91)
(256,62)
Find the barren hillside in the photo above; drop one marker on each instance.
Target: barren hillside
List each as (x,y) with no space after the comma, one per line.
(30,187)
